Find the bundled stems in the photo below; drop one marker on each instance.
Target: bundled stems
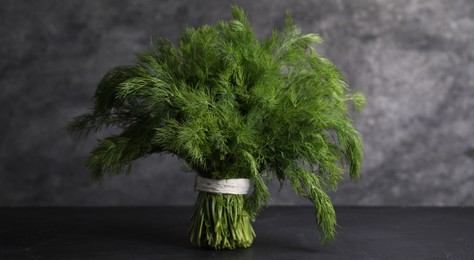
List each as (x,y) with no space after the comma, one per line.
(219,221)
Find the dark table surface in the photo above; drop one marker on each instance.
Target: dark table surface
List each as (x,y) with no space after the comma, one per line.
(282,233)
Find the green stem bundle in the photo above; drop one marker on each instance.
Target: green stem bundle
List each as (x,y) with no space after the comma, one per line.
(219,221)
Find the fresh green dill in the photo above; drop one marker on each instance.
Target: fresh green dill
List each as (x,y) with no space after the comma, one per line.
(233,106)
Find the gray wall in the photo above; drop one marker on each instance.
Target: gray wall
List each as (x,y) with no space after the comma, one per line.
(412,58)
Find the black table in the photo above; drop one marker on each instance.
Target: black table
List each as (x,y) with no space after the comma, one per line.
(282,233)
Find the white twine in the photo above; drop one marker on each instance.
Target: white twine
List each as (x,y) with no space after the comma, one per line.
(226,186)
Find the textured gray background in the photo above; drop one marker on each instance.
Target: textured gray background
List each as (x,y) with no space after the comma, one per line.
(413,59)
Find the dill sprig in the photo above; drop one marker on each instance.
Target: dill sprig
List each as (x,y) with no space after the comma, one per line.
(233,106)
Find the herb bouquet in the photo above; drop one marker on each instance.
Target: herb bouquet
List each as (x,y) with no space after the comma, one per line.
(238,111)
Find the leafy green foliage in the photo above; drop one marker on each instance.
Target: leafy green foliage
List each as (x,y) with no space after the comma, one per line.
(232,106)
